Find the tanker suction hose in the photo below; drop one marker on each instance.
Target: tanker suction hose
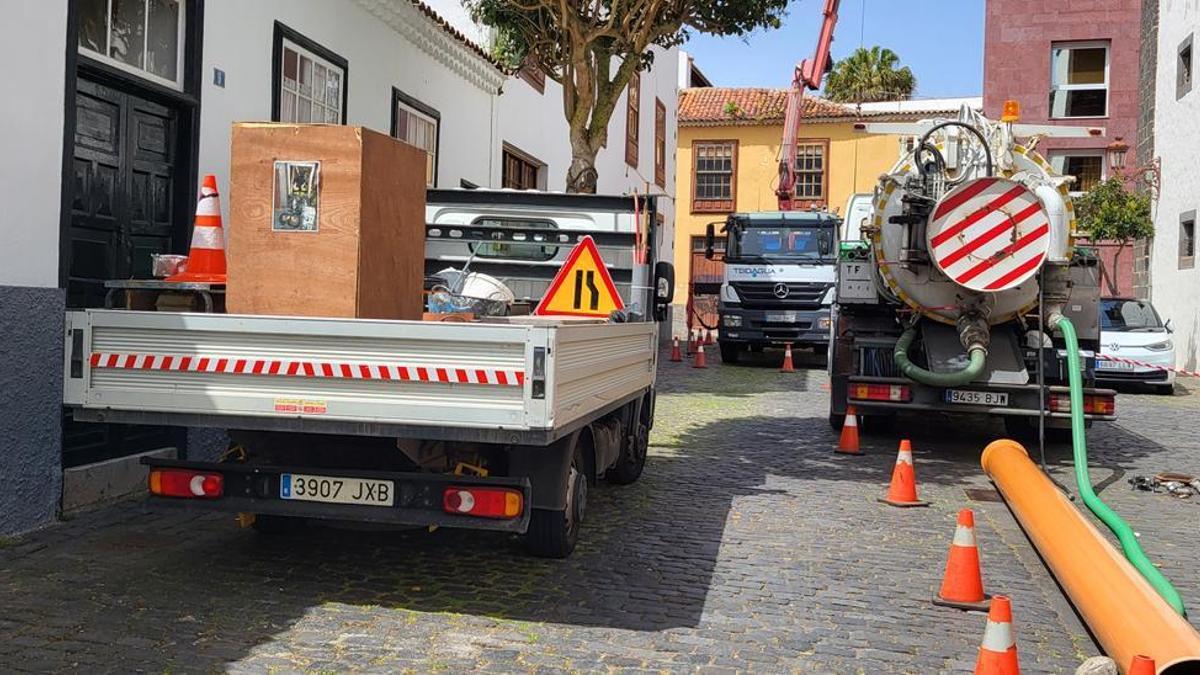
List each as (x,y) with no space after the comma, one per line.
(1129,543)
(974,337)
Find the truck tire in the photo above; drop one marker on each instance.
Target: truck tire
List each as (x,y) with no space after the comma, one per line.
(632,461)
(554,533)
(836,421)
(730,351)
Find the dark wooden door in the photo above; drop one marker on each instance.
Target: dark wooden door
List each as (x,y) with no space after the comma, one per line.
(122,210)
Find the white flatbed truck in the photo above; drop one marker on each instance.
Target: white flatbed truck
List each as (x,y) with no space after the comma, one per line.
(495,425)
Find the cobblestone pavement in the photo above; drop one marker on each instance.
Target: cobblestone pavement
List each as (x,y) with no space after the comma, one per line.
(747,546)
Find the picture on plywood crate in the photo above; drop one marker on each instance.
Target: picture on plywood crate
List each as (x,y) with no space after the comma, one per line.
(297,193)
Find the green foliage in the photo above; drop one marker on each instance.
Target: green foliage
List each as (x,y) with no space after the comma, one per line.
(870,75)
(593,47)
(1110,212)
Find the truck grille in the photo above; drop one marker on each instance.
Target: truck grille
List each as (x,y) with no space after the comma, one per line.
(761,294)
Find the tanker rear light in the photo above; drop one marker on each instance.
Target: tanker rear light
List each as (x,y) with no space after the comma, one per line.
(1012,111)
(896,393)
(1093,404)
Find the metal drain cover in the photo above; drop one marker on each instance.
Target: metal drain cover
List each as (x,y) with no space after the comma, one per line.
(983,495)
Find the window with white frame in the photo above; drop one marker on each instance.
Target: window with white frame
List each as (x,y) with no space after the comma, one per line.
(1079,79)
(417,124)
(311,85)
(1086,166)
(143,37)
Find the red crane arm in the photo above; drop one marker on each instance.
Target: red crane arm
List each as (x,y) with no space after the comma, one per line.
(808,75)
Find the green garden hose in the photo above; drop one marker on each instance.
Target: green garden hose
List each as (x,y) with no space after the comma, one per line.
(914,372)
(1129,543)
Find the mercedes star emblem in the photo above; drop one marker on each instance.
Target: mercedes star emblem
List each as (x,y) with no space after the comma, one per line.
(781,291)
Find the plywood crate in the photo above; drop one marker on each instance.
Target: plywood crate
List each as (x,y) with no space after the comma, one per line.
(365,257)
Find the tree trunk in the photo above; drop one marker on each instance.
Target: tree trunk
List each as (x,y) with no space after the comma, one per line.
(1112,275)
(582,175)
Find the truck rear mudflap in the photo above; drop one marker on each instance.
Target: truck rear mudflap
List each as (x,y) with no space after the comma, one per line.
(899,394)
(389,497)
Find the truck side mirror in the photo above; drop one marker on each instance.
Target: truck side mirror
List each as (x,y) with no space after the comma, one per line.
(710,237)
(824,243)
(664,288)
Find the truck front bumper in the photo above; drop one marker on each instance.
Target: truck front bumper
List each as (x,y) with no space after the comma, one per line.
(1022,399)
(418,496)
(774,327)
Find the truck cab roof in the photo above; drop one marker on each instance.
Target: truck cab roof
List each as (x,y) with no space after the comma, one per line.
(789,217)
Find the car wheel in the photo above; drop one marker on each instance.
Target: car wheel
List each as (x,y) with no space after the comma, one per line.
(1164,389)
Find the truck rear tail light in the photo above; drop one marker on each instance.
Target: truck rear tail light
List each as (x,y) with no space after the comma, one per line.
(1093,404)
(482,502)
(881,392)
(187,484)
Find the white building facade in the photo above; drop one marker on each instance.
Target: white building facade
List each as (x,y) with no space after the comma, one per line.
(124,107)
(1174,275)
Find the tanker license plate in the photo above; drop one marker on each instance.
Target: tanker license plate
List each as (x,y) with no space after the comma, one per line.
(965,397)
(336,490)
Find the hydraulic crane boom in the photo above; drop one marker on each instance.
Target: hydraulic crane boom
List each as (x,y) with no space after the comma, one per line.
(808,75)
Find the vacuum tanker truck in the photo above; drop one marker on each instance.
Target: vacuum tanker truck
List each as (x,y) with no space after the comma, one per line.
(956,295)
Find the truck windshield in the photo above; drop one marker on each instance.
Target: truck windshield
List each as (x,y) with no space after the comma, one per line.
(810,243)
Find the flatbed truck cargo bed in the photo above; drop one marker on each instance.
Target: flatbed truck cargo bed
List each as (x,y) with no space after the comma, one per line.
(510,380)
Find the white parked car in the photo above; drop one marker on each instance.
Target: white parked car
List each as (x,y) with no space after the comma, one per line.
(1132,329)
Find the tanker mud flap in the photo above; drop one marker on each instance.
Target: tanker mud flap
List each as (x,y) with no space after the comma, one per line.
(388,497)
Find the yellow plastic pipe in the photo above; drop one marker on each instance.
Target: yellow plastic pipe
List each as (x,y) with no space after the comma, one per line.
(1122,610)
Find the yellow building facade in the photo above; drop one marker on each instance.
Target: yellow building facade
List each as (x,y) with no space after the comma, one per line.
(727,161)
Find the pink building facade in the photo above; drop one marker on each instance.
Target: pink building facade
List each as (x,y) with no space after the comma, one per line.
(1075,64)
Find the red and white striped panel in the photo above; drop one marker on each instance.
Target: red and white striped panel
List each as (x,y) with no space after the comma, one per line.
(302,368)
(989,234)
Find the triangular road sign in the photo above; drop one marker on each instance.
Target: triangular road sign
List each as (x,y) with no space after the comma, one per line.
(582,287)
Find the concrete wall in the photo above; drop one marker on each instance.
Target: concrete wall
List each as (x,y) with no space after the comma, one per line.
(1173,289)
(31,330)
(238,39)
(855,162)
(33,41)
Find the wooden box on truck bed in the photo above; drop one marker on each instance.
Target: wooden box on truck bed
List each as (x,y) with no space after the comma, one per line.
(359,253)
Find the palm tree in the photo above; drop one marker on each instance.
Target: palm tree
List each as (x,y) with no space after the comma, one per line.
(870,75)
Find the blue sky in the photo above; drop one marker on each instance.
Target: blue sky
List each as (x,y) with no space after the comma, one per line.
(941,40)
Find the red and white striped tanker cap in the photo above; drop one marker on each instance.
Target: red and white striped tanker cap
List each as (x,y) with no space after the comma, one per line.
(989,234)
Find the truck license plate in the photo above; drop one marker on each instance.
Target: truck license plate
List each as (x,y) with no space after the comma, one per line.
(965,397)
(334,490)
(782,317)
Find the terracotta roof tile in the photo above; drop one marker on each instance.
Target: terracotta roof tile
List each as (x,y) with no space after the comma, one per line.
(710,106)
(457,34)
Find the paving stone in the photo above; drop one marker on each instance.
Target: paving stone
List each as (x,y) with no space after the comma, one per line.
(747,546)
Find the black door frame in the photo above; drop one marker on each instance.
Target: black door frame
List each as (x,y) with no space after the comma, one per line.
(187,102)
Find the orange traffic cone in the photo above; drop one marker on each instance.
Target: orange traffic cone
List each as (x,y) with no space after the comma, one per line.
(1142,665)
(962,584)
(788,367)
(691,341)
(206,261)
(700,361)
(998,653)
(903,490)
(848,443)
(676,356)
(708,337)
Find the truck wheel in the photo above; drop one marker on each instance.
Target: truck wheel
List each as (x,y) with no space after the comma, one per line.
(554,533)
(836,421)
(730,352)
(276,525)
(633,457)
